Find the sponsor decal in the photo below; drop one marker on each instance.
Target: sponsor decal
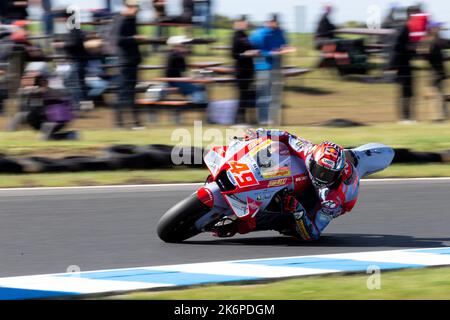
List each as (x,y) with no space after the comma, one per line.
(348,174)
(214,161)
(254,150)
(231,178)
(331,208)
(213,166)
(253,143)
(277,183)
(281,172)
(221,151)
(301,178)
(328,162)
(329,204)
(264,196)
(242,174)
(302,230)
(252,206)
(297,144)
(333,213)
(255,167)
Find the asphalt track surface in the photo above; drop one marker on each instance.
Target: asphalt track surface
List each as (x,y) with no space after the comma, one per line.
(48,230)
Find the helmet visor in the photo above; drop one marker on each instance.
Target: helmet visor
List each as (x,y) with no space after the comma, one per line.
(322,175)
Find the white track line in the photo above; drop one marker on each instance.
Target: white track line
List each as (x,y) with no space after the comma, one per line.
(75,284)
(360,256)
(122,186)
(436,179)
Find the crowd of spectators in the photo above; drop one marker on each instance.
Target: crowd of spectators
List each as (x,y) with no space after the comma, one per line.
(257,54)
(414,34)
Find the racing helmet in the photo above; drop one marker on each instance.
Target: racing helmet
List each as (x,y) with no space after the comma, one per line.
(326,164)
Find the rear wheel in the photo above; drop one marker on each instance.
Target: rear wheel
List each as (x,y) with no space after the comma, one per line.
(178,223)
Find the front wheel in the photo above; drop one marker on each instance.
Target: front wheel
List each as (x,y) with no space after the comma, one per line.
(178,223)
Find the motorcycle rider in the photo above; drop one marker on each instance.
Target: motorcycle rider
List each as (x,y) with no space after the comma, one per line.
(334,174)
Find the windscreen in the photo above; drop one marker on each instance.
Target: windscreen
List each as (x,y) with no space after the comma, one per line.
(274,160)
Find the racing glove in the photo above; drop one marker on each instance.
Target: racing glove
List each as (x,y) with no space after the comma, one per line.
(290,204)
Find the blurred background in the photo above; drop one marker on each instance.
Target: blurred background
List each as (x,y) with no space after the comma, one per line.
(77,77)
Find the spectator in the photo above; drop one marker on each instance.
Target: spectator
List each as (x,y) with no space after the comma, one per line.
(433,47)
(160,9)
(6,48)
(97,79)
(21,51)
(73,46)
(417,24)
(325,28)
(186,15)
(43,108)
(108,6)
(48,17)
(176,67)
(401,64)
(19,36)
(129,60)
(393,19)
(160,16)
(203,10)
(13,10)
(33,85)
(188,11)
(270,40)
(3,92)
(243,53)
(3,11)
(3,88)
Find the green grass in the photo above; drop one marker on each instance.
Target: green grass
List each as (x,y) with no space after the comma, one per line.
(423,137)
(102,178)
(415,171)
(420,137)
(432,283)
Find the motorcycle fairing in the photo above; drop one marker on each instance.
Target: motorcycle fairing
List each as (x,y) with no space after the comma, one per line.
(254,186)
(217,157)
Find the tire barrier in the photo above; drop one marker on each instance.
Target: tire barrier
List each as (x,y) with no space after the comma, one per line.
(342,123)
(156,156)
(10,166)
(191,157)
(82,163)
(408,156)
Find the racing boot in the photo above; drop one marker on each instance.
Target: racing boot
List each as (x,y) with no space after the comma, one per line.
(227,228)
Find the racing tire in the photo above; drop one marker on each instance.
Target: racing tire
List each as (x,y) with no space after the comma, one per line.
(178,223)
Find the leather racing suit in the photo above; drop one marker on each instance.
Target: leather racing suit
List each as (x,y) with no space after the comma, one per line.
(308,222)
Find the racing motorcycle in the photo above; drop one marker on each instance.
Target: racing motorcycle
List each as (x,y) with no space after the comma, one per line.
(246,177)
